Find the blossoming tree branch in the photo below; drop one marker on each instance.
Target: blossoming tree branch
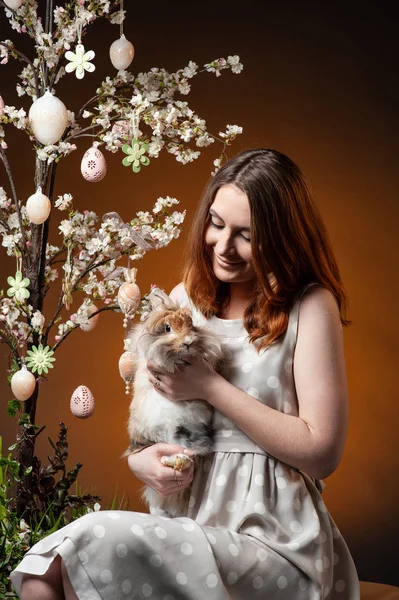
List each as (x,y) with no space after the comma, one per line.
(141,115)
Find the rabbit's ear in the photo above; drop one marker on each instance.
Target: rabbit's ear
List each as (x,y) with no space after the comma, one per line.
(159,300)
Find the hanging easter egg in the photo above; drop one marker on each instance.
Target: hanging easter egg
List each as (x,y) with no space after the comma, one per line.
(38,207)
(48,118)
(23,383)
(14,4)
(121,53)
(127,367)
(129,295)
(91,323)
(2,105)
(93,166)
(82,402)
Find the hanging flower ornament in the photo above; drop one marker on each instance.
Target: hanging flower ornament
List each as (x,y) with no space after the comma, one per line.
(18,285)
(135,155)
(39,359)
(79,61)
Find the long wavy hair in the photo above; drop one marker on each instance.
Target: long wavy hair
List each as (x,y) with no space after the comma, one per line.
(289,243)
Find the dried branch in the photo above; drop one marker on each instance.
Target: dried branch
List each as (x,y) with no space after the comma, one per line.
(112,307)
(7,338)
(50,261)
(45,233)
(23,58)
(14,195)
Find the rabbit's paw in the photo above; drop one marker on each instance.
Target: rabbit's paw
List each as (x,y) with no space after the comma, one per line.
(179,462)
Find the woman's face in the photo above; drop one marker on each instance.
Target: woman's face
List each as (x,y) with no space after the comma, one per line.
(228,236)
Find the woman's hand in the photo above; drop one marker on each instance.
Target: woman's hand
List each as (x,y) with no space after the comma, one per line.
(147,467)
(192,381)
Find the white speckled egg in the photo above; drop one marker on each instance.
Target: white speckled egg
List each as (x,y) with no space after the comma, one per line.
(48,118)
(38,207)
(92,308)
(93,166)
(121,53)
(23,383)
(82,402)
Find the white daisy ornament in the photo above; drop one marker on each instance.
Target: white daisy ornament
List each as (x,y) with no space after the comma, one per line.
(79,61)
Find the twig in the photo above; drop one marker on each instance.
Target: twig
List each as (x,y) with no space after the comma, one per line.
(45,233)
(7,339)
(24,59)
(14,195)
(52,321)
(113,307)
(39,432)
(50,262)
(92,265)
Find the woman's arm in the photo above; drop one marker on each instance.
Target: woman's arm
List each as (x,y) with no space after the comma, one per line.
(313,441)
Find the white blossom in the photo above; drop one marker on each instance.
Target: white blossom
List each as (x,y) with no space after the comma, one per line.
(118,17)
(64,202)
(234,62)
(37,321)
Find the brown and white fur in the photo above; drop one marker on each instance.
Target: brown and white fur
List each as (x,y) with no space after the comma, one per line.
(168,338)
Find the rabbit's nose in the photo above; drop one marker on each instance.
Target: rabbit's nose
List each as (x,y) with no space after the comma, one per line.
(188,340)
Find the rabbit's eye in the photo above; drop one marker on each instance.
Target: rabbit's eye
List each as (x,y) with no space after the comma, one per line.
(168,328)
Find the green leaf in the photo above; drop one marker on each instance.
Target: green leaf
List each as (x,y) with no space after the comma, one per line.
(14,405)
(28,470)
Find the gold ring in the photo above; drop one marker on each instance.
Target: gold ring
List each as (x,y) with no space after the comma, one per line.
(179,482)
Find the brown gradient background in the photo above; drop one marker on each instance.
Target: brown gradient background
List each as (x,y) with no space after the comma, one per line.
(320,84)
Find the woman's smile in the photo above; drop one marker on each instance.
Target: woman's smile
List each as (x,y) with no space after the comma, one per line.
(228,264)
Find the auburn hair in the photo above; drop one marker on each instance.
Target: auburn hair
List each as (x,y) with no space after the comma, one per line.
(289,244)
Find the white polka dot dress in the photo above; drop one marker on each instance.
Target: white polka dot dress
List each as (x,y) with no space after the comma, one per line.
(254,527)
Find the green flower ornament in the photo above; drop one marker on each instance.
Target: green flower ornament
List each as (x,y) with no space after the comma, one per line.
(18,285)
(39,359)
(135,155)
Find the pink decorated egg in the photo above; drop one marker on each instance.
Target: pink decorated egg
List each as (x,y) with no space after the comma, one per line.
(129,297)
(93,166)
(2,105)
(127,365)
(82,402)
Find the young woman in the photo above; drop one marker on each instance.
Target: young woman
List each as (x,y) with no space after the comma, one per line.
(261,273)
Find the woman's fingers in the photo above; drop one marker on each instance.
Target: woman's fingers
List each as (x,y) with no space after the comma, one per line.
(154,369)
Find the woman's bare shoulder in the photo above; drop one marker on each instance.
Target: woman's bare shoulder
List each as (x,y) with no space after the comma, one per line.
(318,302)
(177,292)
